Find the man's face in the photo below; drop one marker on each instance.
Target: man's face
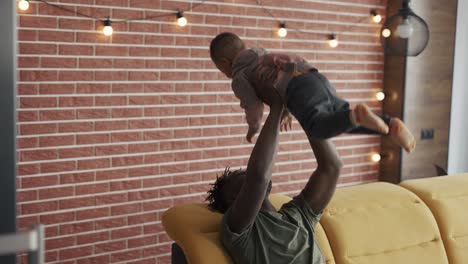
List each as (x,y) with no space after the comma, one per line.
(225,66)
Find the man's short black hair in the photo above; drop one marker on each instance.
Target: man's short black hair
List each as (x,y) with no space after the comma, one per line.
(216,199)
(225,45)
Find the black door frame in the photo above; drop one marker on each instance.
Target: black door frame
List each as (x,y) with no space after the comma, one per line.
(8,117)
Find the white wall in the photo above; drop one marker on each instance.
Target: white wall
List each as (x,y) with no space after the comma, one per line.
(458,144)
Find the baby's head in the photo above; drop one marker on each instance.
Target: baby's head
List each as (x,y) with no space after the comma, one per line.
(224,49)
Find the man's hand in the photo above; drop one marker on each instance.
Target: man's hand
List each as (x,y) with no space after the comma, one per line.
(286,121)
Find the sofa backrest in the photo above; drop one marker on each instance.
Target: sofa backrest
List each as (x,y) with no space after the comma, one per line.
(447,198)
(381,223)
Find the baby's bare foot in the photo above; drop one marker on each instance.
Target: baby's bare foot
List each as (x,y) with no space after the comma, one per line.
(363,116)
(401,135)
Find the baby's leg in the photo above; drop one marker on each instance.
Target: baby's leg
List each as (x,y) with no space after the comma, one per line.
(401,135)
(361,115)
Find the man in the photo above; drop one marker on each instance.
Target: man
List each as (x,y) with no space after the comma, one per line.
(252,231)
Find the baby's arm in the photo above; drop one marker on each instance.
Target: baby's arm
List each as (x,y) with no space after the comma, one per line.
(253,115)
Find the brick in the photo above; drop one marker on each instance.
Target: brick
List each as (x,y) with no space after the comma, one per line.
(56,36)
(39,207)
(111,174)
(49,219)
(125,209)
(26,196)
(111,150)
(142,218)
(76,202)
(33,75)
(126,255)
(75,127)
(76,252)
(60,242)
(92,213)
(32,155)
(92,238)
(28,62)
(110,246)
(45,194)
(141,242)
(111,198)
(125,185)
(93,164)
(92,188)
(143,195)
(65,49)
(50,141)
(126,232)
(56,88)
(57,166)
(111,223)
(127,161)
(76,177)
(70,23)
(95,63)
(156,250)
(111,101)
(49,115)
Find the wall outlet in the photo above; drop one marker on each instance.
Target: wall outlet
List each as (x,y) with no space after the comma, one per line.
(427,134)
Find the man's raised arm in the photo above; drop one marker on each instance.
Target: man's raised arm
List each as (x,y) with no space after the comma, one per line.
(258,173)
(322,184)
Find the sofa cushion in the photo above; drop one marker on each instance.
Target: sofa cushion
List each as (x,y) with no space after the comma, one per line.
(196,230)
(381,223)
(447,198)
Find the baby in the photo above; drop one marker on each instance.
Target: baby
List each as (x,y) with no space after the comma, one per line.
(306,93)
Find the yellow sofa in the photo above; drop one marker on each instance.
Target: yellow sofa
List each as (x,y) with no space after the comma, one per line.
(420,221)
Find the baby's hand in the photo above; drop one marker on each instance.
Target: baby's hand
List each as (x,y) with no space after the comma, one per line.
(286,121)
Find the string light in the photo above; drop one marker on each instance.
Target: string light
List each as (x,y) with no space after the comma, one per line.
(282,31)
(380,96)
(107,30)
(376,157)
(23,5)
(386,33)
(332,41)
(376,17)
(181,20)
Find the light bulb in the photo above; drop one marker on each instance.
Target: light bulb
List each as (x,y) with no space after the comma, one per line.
(386,33)
(376,17)
(405,29)
(23,5)
(282,31)
(332,41)
(380,96)
(107,30)
(181,20)
(376,157)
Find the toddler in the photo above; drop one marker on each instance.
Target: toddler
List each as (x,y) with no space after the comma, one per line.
(307,94)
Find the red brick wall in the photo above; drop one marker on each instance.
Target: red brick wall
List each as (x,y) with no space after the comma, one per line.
(113,131)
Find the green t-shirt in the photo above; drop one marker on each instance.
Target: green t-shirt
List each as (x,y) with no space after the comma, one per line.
(283,237)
